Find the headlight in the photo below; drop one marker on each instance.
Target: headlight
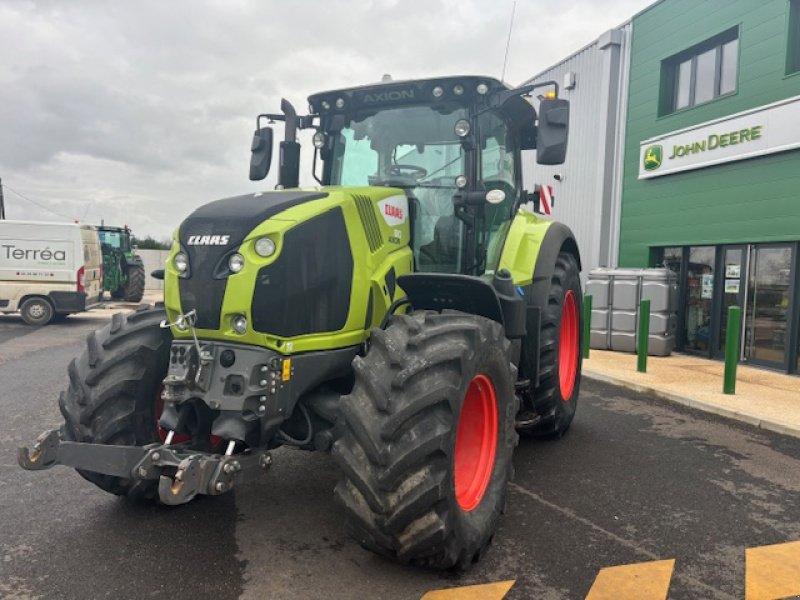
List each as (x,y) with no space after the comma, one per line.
(461,182)
(325,105)
(438,91)
(318,140)
(239,324)
(236,262)
(462,128)
(181,262)
(340,103)
(265,247)
(458,90)
(482,89)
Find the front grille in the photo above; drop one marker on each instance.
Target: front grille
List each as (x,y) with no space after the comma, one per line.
(307,288)
(366,210)
(201,291)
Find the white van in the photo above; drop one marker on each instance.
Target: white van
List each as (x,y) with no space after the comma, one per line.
(49,269)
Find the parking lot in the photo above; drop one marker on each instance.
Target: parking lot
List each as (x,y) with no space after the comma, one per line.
(634,480)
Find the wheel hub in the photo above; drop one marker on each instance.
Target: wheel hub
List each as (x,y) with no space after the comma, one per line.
(476,443)
(568,346)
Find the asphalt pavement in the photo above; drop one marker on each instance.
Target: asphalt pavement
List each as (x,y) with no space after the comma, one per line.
(635,479)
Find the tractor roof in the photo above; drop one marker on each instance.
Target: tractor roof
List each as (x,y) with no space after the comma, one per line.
(462,88)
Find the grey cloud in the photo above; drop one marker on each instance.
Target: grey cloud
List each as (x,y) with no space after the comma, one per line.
(146,109)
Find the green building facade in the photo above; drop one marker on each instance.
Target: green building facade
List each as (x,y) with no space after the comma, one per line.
(711,180)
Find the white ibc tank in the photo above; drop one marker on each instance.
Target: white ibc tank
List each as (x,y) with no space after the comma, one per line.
(616,296)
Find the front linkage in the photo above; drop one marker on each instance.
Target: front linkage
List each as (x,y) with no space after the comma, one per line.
(194,472)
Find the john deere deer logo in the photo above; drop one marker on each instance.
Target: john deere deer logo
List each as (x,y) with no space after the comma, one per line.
(652,157)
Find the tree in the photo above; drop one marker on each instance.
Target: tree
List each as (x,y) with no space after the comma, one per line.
(150,243)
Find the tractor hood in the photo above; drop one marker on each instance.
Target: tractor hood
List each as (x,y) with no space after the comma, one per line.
(214,231)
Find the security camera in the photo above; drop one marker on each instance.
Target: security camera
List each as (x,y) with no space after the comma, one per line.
(559,177)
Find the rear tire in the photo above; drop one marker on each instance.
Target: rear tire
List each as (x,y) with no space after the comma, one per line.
(37,311)
(133,290)
(112,391)
(560,357)
(413,487)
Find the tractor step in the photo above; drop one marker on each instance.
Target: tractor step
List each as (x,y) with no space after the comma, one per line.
(194,472)
(527,418)
(521,385)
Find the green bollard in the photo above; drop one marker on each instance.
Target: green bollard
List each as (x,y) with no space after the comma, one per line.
(732,349)
(587,323)
(644,336)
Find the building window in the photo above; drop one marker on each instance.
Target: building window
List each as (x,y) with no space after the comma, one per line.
(701,73)
(793,54)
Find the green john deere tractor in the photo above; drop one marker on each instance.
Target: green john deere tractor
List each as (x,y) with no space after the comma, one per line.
(123,271)
(411,315)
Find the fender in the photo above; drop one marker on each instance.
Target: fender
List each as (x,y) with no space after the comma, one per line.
(530,252)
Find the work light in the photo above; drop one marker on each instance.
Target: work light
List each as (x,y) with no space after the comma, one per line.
(462,128)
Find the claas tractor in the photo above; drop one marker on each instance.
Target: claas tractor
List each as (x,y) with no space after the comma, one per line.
(411,315)
(123,270)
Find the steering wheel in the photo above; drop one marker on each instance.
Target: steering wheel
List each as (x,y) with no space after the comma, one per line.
(412,171)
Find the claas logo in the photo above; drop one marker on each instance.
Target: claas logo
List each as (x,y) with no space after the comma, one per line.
(652,157)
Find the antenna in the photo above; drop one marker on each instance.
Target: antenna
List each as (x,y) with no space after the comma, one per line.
(508,42)
(2,203)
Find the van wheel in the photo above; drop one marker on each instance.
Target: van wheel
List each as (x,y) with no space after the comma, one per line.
(37,311)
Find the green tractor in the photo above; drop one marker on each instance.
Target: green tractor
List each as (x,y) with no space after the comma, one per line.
(411,315)
(123,271)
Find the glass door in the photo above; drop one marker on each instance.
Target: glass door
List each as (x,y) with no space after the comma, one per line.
(732,278)
(699,300)
(768,294)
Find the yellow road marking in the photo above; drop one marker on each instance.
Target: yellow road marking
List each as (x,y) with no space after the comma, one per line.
(486,591)
(772,572)
(639,581)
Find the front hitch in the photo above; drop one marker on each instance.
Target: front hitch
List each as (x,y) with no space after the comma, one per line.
(194,472)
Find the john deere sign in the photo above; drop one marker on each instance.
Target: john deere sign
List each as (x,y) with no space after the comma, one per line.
(763,130)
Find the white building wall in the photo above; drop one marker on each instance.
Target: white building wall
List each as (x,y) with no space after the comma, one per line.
(588,196)
(153,259)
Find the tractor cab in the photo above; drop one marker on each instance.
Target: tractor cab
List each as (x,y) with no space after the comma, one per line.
(451,144)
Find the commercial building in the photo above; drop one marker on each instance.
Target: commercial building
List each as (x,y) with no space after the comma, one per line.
(586,187)
(710,181)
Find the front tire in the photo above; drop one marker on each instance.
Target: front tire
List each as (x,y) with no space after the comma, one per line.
(427,439)
(113,386)
(555,399)
(37,311)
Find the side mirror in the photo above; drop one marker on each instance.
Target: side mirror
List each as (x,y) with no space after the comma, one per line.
(261,153)
(552,132)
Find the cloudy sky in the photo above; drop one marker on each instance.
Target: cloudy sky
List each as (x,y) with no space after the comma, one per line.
(137,112)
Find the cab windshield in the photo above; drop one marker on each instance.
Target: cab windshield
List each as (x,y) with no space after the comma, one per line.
(414,148)
(115,239)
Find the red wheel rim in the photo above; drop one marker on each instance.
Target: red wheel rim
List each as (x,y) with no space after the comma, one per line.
(476,443)
(568,346)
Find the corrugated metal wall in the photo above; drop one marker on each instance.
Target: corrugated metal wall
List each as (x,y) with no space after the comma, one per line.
(587,198)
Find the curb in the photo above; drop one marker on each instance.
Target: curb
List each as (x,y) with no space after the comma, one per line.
(755,421)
